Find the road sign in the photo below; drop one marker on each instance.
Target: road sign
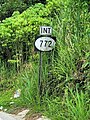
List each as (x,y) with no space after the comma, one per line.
(45,43)
(45,30)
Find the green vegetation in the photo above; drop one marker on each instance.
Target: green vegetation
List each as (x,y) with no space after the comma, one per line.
(7,7)
(65,70)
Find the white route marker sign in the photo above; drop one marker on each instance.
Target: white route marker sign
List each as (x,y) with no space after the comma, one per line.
(45,43)
(45,30)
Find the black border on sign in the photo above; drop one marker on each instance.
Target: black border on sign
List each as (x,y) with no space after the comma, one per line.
(53,37)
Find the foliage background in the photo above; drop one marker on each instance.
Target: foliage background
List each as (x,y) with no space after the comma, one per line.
(65,70)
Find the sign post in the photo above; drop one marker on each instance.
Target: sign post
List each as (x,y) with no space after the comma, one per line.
(40,75)
(44,43)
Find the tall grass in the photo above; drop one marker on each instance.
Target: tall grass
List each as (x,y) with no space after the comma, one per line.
(78,106)
(6,75)
(28,83)
(71,28)
(71,64)
(75,106)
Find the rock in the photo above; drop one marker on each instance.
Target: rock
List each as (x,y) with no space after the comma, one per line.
(1,107)
(6,116)
(23,113)
(19,116)
(17,93)
(1,119)
(43,118)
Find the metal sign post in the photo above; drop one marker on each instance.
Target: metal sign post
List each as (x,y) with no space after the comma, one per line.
(44,43)
(40,75)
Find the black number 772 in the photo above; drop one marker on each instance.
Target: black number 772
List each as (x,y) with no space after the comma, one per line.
(45,43)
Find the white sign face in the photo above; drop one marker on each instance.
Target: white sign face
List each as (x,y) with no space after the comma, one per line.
(45,30)
(45,43)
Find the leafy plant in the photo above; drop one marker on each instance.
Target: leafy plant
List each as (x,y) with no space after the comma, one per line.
(17,34)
